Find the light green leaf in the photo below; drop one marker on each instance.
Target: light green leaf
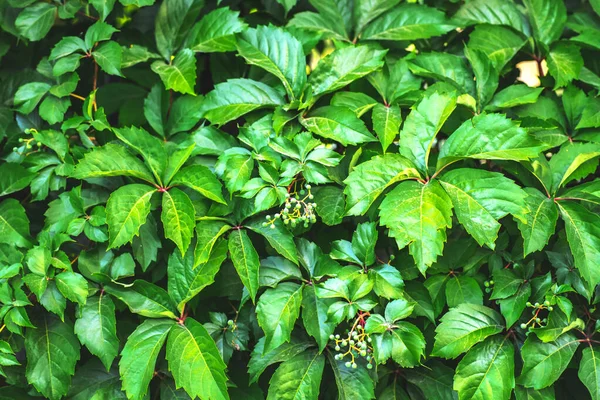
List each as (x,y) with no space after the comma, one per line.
(491,137)
(493,12)
(138,358)
(185,280)
(35,21)
(277,311)
(464,326)
(216,31)
(367,10)
(236,97)
(541,221)
(564,63)
(512,307)
(386,123)
(481,198)
(144,298)
(314,316)
(104,7)
(200,179)
(422,125)
(344,66)
(514,95)
(583,235)
(207,234)
(96,328)
(408,22)
(178,217)
(548,19)
(98,32)
(369,179)
(173,22)
(445,67)
(53,109)
(245,260)
(29,95)
(523,393)
(14,224)
(52,351)
(73,286)
(234,167)
(544,363)
(418,216)
(588,371)
(279,238)
(499,43)
(318,24)
(192,353)
(259,360)
(127,209)
(463,289)
(180,74)
(487,371)
(573,161)
(486,75)
(298,378)
(337,123)
(146,145)
(277,52)
(108,55)
(111,160)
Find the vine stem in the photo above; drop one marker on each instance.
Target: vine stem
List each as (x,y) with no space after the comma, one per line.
(95,85)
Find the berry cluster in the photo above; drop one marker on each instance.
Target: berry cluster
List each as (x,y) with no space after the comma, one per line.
(536,320)
(27,143)
(357,343)
(297,210)
(488,285)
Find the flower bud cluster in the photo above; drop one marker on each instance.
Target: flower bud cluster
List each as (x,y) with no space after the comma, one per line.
(536,321)
(298,209)
(27,144)
(355,343)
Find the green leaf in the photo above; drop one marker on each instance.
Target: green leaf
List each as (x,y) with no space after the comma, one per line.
(445,67)
(514,95)
(138,358)
(180,74)
(588,371)
(318,24)
(481,198)
(52,351)
(200,179)
(127,209)
(234,167)
(491,137)
(422,125)
(216,31)
(388,281)
(564,63)
(155,108)
(35,21)
(192,353)
(236,97)
(487,371)
(14,177)
(14,224)
(493,12)
(330,202)
(104,7)
(73,286)
(408,22)
(522,393)
(352,384)
(29,95)
(369,179)
(186,280)
(108,55)
(298,377)
(260,360)
(172,24)
(207,234)
(245,260)
(591,114)
(486,75)
(541,221)
(583,234)
(178,217)
(547,18)
(314,316)
(464,326)
(184,114)
(544,363)
(367,10)
(96,328)
(146,145)
(98,32)
(279,238)
(418,216)
(573,161)
(38,260)
(53,109)
(500,44)
(277,52)
(434,379)
(276,311)
(401,341)
(337,123)
(111,160)
(512,307)
(463,289)
(66,46)
(144,298)
(344,66)
(386,123)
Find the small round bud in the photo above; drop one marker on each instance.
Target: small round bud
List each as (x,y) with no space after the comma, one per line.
(308,186)
(351,342)
(550,308)
(354,366)
(302,192)
(491,282)
(39,144)
(272,226)
(230,322)
(15,149)
(348,364)
(363,353)
(537,304)
(331,337)
(20,140)
(369,340)
(337,348)
(287,195)
(369,366)
(523,326)
(28,146)
(311,196)
(528,304)
(337,336)
(546,303)
(486,284)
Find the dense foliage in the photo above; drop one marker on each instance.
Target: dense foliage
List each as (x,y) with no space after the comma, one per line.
(281,199)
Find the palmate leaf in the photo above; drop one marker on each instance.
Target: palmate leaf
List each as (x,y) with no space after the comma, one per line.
(418,215)
(52,351)
(260,360)
(408,22)
(464,326)
(369,179)
(489,136)
(543,363)
(564,63)
(481,198)
(207,234)
(367,10)
(583,235)
(178,217)
(127,209)
(138,357)
(192,353)
(276,311)
(314,316)
(277,52)
(487,371)
(422,125)
(573,161)
(144,298)
(173,21)
(298,377)
(445,67)
(236,97)
(146,145)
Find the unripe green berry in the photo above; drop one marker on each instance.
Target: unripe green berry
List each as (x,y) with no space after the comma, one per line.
(230,322)
(550,308)
(491,282)
(546,303)
(348,364)
(354,366)
(523,326)
(369,366)
(337,336)
(331,337)
(486,284)
(337,348)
